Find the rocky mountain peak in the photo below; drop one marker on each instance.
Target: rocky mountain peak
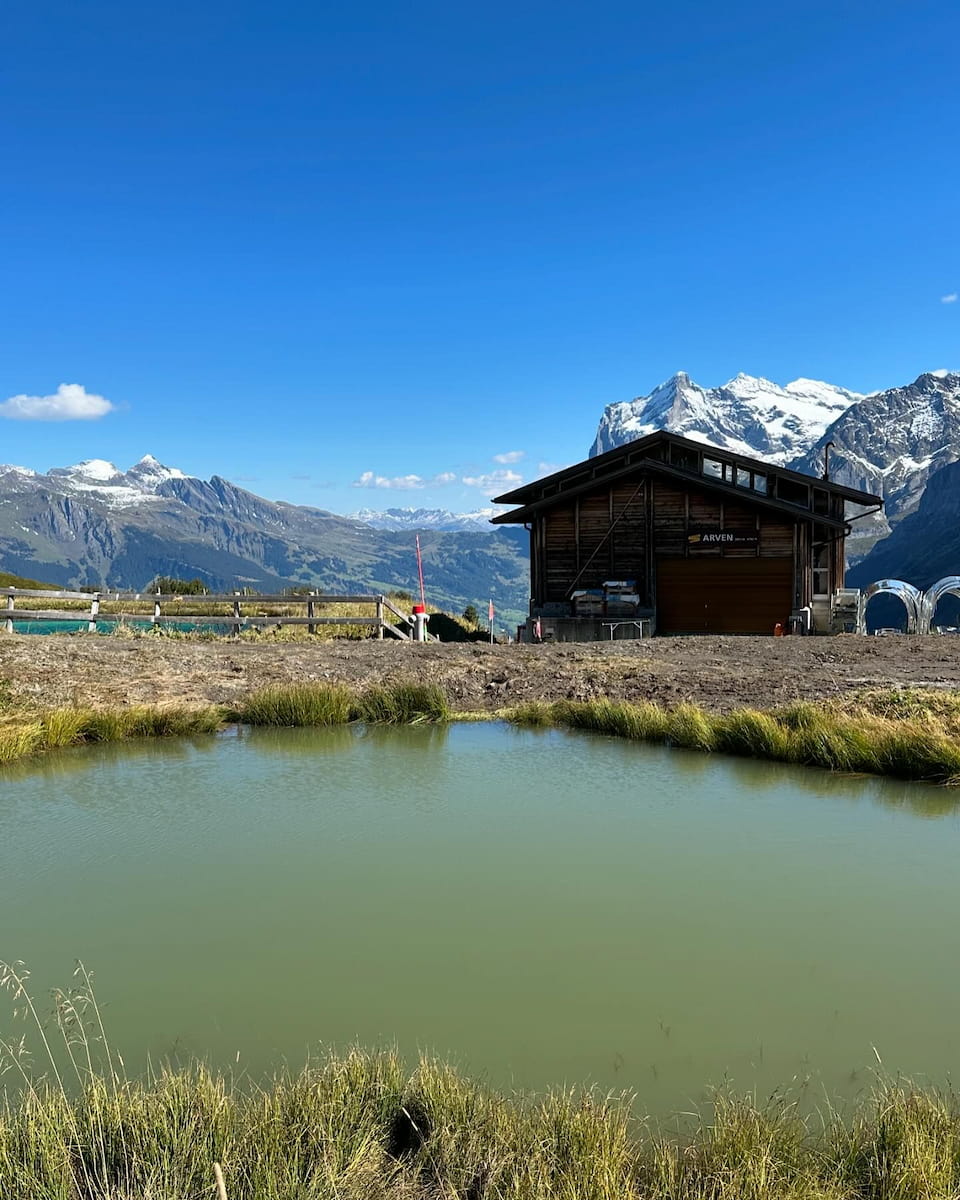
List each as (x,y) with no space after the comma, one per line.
(140,484)
(748,414)
(891,442)
(149,473)
(91,470)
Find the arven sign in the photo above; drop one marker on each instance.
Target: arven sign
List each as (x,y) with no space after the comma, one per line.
(722,537)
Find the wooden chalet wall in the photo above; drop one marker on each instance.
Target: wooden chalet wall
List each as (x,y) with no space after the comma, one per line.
(573,545)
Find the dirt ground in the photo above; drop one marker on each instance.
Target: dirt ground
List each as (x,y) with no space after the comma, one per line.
(717,672)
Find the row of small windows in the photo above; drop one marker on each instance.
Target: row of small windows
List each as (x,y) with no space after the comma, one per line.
(755,481)
(788,490)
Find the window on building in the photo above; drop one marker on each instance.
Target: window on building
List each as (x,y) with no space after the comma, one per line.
(821,569)
(793,493)
(686,460)
(712,468)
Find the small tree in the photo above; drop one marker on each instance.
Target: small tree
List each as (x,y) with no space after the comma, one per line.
(470,614)
(179,587)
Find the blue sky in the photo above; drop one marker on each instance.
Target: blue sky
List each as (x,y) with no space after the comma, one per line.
(304,245)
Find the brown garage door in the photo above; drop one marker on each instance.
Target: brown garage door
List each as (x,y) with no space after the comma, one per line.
(723,595)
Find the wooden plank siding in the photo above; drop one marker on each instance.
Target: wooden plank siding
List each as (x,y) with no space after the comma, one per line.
(630,559)
(595,540)
(620,531)
(669,520)
(560,551)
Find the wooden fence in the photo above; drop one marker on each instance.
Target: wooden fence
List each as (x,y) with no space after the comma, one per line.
(402,626)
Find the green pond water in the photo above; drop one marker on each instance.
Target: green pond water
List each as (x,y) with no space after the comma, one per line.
(541,907)
(107,625)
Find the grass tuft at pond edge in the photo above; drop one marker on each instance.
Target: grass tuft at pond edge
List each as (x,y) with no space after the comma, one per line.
(404,702)
(913,747)
(298,704)
(361,1126)
(62,727)
(407,702)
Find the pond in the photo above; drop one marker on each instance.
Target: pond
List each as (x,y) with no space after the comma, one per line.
(107,626)
(540,907)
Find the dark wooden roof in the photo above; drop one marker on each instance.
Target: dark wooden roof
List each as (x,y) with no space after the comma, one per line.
(643,456)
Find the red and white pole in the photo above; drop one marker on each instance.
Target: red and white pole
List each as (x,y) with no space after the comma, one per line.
(420,617)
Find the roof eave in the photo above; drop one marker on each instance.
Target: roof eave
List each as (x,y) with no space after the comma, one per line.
(529,492)
(528,511)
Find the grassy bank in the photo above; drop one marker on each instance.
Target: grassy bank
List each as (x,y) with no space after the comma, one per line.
(913,738)
(22,736)
(909,735)
(362,1126)
(308,704)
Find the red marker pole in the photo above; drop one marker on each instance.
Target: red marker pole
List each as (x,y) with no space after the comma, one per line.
(490,617)
(420,617)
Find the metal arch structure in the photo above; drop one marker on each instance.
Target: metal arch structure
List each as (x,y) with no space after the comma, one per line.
(948,586)
(911,598)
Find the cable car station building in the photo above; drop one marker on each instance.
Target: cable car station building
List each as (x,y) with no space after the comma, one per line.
(672,536)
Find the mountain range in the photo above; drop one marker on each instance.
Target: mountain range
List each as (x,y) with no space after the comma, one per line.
(419,519)
(894,443)
(747,415)
(92,524)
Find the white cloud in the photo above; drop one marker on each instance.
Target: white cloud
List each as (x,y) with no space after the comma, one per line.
(403,483)
(548,468)
(950,298)
(490,482)
(400,483)
(70,402)
(510,456)
(494,481)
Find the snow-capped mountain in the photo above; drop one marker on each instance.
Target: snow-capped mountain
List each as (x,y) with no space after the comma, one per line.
(891,442)
(112,486)
(747,415)
(425,518)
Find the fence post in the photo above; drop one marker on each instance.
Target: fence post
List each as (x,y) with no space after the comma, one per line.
(380,618)
(94,613)
(310,628)
(156,609)
(8,624)
(236,614)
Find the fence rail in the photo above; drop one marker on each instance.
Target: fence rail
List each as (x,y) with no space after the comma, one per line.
(402,628)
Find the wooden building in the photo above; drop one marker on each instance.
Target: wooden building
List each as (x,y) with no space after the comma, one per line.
(691,538)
